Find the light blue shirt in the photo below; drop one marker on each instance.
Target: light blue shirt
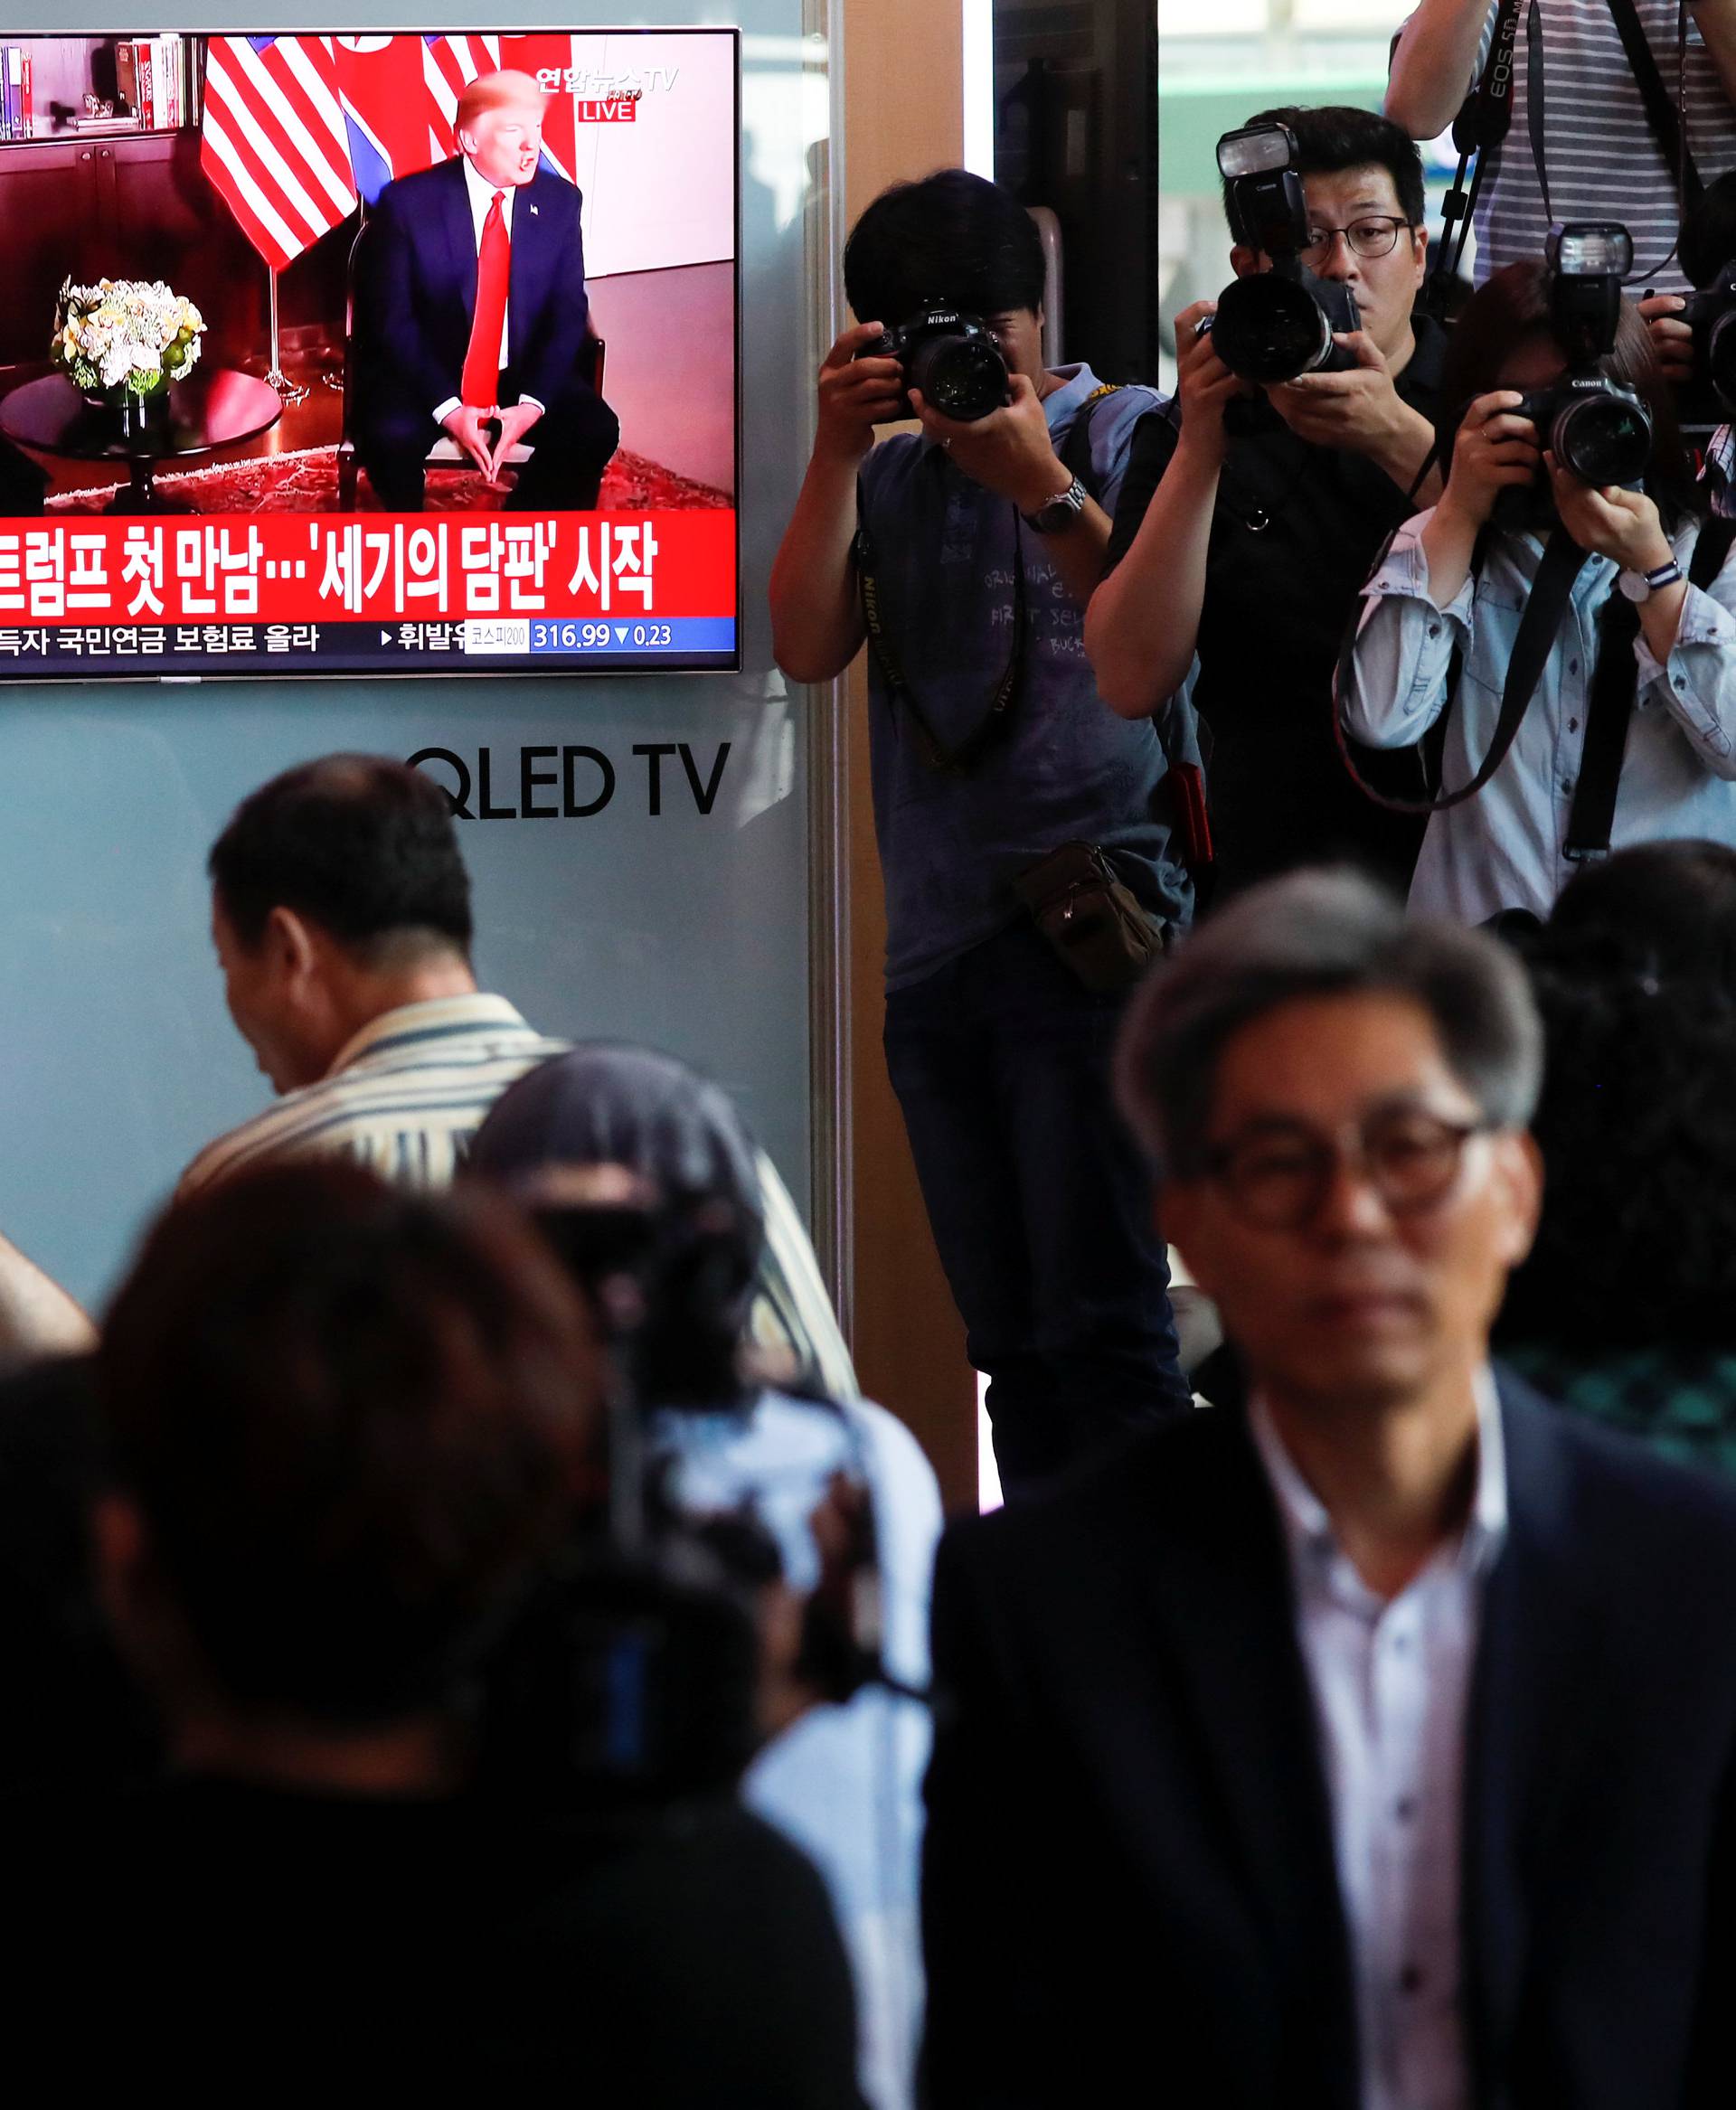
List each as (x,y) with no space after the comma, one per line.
(844,1783)
(1503,848)
(1391,1680)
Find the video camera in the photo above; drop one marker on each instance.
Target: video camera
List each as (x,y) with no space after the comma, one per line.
(632,1678)
(628,1679)
(1272,326)
(952,358)
(1599,430)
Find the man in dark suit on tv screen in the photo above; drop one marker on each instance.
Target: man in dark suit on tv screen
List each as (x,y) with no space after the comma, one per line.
(470,316)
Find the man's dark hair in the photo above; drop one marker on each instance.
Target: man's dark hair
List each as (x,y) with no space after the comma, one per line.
(354,1419)
(1339,136)
(1654,914)
(1635,977)
(361,845)
(1328,933)
(952,236)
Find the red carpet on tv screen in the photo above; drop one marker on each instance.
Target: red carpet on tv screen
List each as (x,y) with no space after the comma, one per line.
(306,482)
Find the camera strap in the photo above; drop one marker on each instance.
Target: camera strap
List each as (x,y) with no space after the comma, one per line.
(1615,685)
(1481,123)
(1545,604)
(1667,121)
(955,761)
(1075,450)
(1486,113)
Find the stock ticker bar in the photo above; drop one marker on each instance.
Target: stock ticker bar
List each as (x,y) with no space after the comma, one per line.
(157,594)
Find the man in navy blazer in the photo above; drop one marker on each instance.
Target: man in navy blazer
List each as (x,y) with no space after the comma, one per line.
(1373,1748)
(490,220)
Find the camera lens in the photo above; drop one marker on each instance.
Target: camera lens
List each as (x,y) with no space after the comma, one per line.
(1603,440)
(1269,329)
(964,378)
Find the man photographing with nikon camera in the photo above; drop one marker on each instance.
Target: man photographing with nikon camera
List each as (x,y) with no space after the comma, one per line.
(1013,811)
(1250,515)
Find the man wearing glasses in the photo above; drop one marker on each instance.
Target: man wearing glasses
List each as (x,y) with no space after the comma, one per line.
(1240,543)
(1374,1749)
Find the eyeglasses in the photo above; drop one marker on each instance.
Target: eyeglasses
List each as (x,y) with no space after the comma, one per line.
(1374,237)
(1276,1176)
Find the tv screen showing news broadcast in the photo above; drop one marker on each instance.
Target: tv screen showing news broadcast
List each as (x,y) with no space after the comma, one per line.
(383,355)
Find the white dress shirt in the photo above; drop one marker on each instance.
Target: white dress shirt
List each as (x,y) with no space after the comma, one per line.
(1391,1680)
(481,195)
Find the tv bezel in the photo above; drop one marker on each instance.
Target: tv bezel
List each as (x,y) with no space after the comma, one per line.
(496,667)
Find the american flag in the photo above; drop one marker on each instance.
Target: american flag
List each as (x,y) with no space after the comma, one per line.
(449,65)
(274,142)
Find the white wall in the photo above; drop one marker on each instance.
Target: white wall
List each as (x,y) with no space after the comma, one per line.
(659,191)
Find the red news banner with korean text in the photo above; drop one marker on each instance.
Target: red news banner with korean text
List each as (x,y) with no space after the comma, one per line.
(491,437)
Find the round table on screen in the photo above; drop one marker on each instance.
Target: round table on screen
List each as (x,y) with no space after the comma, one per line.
(214,407)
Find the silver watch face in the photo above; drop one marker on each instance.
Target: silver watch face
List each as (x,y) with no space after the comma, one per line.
(1059,511)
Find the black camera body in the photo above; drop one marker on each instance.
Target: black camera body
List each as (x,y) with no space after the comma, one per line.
(952,358)
(1707,250)
(1711,315)
(1272,326)
(1600,430)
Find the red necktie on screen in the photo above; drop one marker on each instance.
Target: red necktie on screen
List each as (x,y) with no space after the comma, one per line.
(481,382)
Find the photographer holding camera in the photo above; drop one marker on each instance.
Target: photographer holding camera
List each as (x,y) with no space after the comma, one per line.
(1248,518)
(1016,815)
(1560,601)
(1579,110)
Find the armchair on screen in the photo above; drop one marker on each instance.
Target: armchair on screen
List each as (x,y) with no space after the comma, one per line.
(443,451)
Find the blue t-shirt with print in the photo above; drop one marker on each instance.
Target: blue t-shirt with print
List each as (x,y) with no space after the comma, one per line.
(1064,768)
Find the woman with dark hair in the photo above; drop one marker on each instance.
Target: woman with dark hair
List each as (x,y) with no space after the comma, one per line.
(840,1486)
(1443,612)
(1627,1308)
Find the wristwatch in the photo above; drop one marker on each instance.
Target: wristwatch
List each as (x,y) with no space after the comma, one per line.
(1640,586)
(1060,512)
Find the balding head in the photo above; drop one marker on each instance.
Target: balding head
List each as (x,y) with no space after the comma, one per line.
(361,843)
(499,126)
(338,893)
(505,89)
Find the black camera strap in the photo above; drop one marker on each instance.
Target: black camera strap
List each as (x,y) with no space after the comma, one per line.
(1481,123)
(1545,604)
(1486,114)
(1075,450)
(955,760)
(1667,120)
(1615,686)
(1610,706)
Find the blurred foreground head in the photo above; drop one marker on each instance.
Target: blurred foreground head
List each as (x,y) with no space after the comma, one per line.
(347,1422)
(1636,975)
(652,1116)
(1336,1097)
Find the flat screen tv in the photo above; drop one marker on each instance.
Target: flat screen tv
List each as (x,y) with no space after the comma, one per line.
(368,354)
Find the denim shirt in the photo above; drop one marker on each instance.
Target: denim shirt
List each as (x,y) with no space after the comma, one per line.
(1064,767)
(1504,849)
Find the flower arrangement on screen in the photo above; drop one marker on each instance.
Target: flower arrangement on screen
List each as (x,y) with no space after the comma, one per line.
(125,337)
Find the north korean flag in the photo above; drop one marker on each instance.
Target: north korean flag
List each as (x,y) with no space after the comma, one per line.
(388,109)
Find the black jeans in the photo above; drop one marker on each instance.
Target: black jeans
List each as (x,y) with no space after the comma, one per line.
(1038,1198)
(570,445)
